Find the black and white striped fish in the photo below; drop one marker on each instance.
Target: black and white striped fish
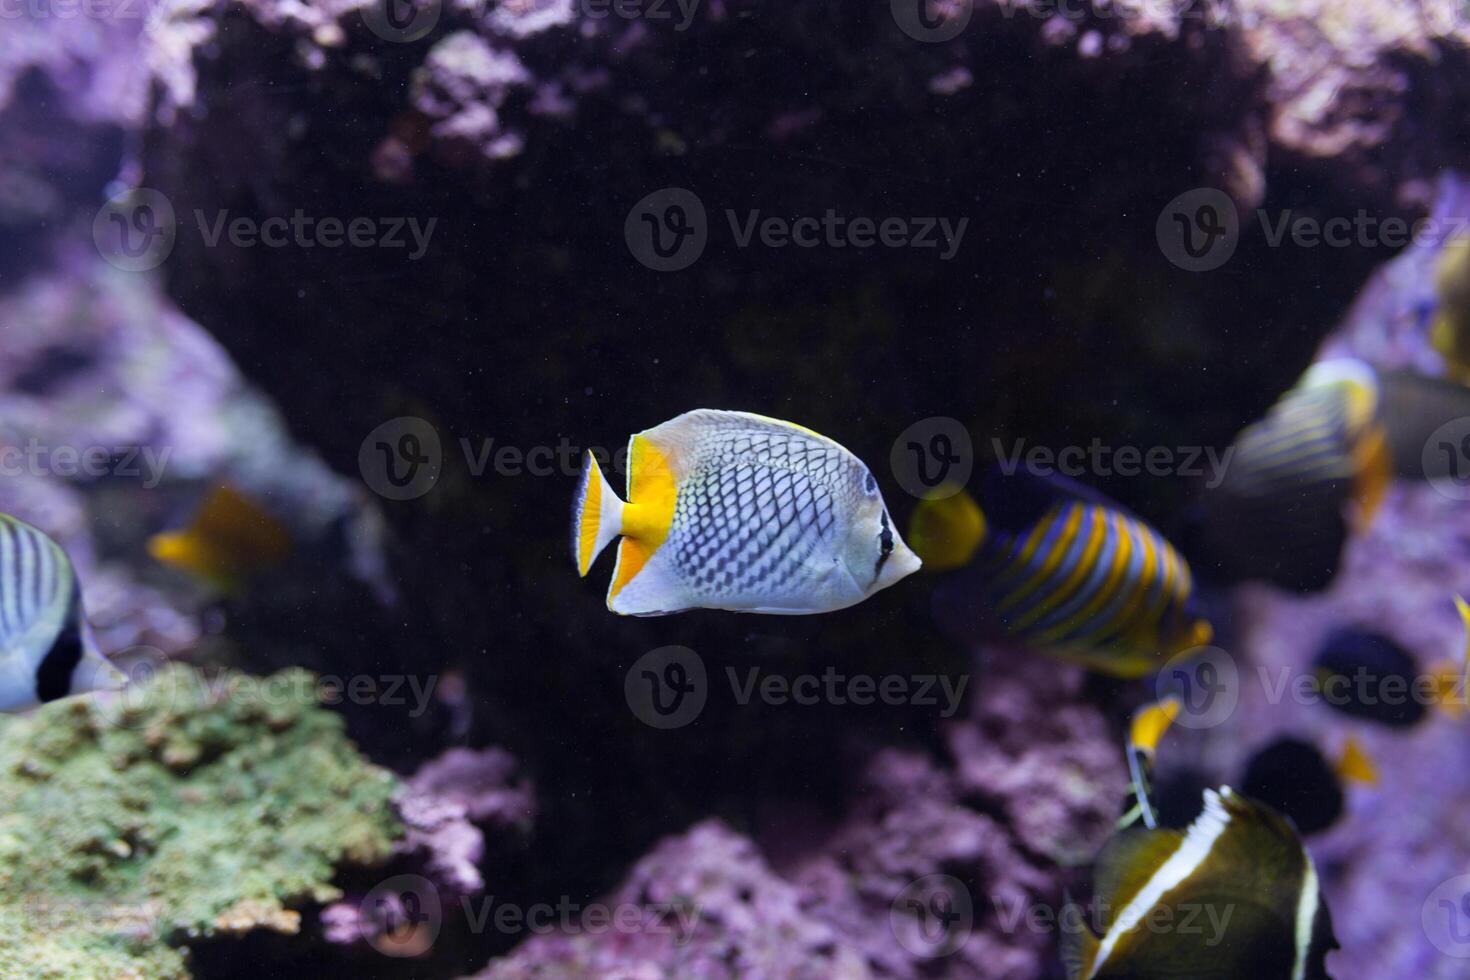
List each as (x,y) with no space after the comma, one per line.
(46,648)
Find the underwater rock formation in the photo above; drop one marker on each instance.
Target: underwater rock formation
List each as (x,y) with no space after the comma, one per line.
(182,810)
(1030,796)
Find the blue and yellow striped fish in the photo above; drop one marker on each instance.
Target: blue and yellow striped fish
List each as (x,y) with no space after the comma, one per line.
(1059,567)
(46,648)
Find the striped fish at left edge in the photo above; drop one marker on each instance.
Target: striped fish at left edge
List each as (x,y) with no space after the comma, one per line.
(1239,876)
(47,651)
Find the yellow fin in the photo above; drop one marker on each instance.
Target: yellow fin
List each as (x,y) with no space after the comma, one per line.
(946,528)
(597,515)
(649,512)
(229,537)
(1373,469)
(1151,722)
(1355,765)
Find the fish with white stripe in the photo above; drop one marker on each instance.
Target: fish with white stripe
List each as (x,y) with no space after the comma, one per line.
(1234,895)
(47,651)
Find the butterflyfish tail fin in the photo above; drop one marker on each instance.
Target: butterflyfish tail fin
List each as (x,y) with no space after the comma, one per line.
(597,515)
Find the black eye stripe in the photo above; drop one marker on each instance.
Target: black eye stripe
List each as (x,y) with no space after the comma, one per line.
(885,544)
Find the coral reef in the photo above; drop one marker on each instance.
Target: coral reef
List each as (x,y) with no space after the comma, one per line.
(185,809)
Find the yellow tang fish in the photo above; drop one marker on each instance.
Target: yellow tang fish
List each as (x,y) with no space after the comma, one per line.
(47,651)
(1059,567)
(728,510)
(229,538)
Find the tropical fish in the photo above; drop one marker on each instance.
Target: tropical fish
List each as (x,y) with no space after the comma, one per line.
(1238,875)
(1239,870)
(47,651)
(728,510)
(1369,676)
(229,539)
(1059,567)
(1317,468)
(1450,334)
(1295,778)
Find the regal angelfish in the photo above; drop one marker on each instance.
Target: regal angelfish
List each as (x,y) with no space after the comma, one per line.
(1053,565)
(728,510)
(46,648)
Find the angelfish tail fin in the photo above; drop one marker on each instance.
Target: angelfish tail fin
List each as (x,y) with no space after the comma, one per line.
(597,515)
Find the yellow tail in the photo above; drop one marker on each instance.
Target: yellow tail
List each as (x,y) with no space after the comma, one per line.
(597,515)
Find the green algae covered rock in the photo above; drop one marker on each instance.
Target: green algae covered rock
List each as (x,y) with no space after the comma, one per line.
(182,808)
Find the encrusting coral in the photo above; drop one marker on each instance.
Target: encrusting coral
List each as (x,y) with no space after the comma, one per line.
(184,808)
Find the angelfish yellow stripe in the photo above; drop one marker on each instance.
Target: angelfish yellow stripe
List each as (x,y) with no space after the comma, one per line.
(1059,550)
(649,512)
(1078,573)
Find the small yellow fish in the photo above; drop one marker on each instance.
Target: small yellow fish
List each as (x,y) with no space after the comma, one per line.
(229,539)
